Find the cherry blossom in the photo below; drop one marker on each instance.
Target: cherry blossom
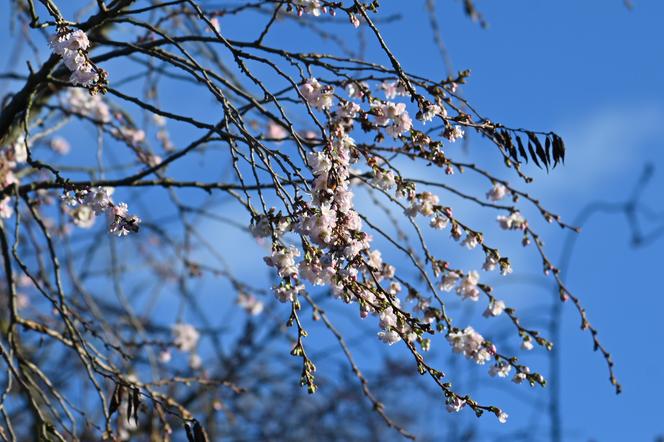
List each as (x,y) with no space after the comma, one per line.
(185,336)
(495,308)
(497,192)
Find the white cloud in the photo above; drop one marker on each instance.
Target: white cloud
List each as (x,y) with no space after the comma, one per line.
(602,147)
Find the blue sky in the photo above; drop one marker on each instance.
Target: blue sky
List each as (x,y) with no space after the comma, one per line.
(591,71)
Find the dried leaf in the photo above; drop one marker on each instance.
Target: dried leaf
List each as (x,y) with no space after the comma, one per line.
(116,399)
(532,154)
(522,151)
(190,435)
(136,399)
(199,434)
(541,154)
(558,149)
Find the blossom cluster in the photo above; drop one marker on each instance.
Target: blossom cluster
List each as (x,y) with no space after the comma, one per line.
(72,46)
(317,95)
(86,204)
(393,116)
(515,221)
(337,253)
(312,7)
(335,229)
(10,158)
(283,259)
(497,192)
(185,339)
(250,303)
(471,344)
(94,107)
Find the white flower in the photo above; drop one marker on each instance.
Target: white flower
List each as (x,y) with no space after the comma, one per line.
(449,281)
(513,222)
(214,21)
(495,308)
(83,216)
(482,356)
(121,223)
(195,361)
(439,222)
(185,336)
(430,111)
(69,41)
(283,258)
(159,120)
(60,145)
(469,343)
(384,180)
(250,303)
(455,232)
(132,136)
(454,133)
(84,75)
(98,198)
(501,369)
(468,287)
(319,162)
(288,292)
(466,341)
(74,59)
(497,192)
(454,404)
(19,151)
(346,111)
(78,40)
(470,241)
(149,159)
(387,318)
(6,209)
(393,116)
(393,89)
(318,271)
(424,204)
(389,336)
(395,288)
(312,7)
(275,131)
(375,259)
(71,46)
(355,90)
(401,124)
(9,176)
(519,378)
(490,263)
(527,344)
(261,228)
(92,106)
(317,95)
